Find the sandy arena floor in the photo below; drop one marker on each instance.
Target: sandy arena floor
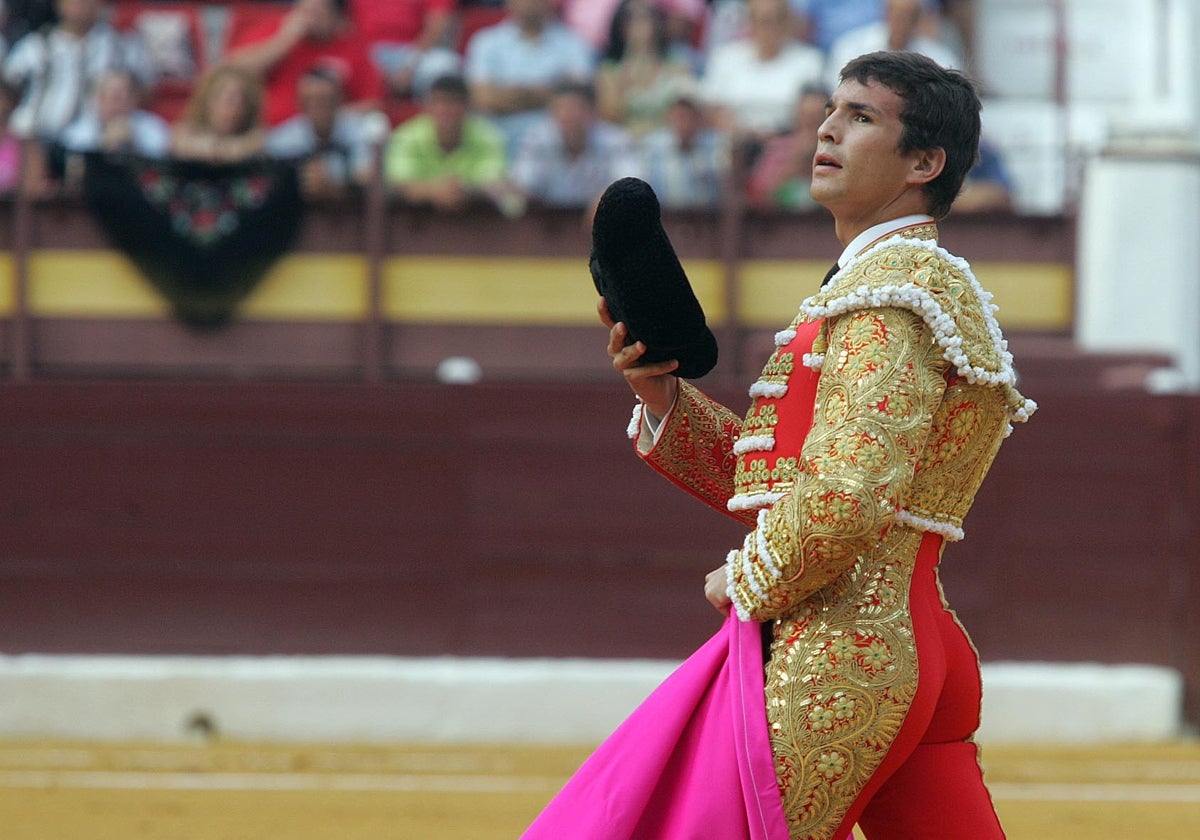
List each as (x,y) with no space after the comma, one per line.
(76,791)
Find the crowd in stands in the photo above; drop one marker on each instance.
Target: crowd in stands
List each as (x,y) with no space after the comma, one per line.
(509,102)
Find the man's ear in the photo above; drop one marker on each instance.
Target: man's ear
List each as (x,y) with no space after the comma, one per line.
(927,165)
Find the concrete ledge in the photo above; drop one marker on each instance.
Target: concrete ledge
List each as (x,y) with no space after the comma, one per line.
(447,700)
(1080,703)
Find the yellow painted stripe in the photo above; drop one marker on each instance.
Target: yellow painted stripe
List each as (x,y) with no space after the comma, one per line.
(106,284)
(8,284)
(90,283)
(1031,296)
(326,287)
(506,290)
(511,290)
(770,291)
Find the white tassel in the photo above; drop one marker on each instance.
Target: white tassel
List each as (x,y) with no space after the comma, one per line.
(952,533)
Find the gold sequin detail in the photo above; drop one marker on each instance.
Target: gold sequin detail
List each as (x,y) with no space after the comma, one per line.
(695,450)
(778,368)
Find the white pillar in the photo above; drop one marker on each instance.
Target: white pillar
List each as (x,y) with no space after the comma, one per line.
(1138,273)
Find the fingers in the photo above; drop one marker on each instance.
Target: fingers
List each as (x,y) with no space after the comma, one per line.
(628,359)
(605,317)
(715,584)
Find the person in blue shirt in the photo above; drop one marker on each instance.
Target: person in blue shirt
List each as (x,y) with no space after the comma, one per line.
(513,67)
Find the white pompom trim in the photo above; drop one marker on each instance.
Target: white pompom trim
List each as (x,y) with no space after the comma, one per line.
(952,533)
(784,337)
(1024,412)
(753,501)
(753,443)
(635,422)
(738,606)
(918,300)
(816,361)
(763,547)
(768,390)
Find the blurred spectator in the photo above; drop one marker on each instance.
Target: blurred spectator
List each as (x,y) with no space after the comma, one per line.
(988,185)
(727,22)
(953,23)
(3,27)
(899,30)
(55,66)
(328,141)
(821,22)
(782,175)
(592,19)
(570,157)
(750,84)
(686,161)
(20,17)
(113,121)
(636,79)
(410,41)
(513,67)
(223,120)
(312,32)
(447,156)
(685,23)
(10,144)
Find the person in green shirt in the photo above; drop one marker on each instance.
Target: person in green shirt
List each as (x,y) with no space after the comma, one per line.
(447,156)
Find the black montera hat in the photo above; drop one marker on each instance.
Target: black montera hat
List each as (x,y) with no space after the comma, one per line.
(638,274)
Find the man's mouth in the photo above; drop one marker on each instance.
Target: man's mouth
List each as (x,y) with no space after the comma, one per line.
(824,161)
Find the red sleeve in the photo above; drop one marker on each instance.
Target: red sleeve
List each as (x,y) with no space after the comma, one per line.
(365,80)
(255,31)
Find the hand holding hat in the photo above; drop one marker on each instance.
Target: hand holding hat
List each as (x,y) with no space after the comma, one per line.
(636,270)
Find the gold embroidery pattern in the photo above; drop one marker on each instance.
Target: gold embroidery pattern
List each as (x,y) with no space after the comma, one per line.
(896,427)
(778,368)
(967,431)
(842,675)
(761,421)
(970,423)
(755,475)
(832,567)
(856,463)
(695,450)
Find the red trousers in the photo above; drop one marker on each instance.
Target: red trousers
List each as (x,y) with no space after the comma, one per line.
(930,786)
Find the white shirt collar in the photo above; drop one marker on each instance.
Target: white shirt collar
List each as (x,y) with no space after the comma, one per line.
(876,232)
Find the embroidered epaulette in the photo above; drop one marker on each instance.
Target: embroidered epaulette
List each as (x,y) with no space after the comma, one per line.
(921,276)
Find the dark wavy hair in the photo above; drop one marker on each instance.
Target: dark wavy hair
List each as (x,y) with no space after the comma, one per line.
(941,110)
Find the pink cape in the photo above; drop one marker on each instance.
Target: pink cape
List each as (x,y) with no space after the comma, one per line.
(692,762)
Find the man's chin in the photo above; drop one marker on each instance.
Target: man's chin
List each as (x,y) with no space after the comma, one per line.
(821,196)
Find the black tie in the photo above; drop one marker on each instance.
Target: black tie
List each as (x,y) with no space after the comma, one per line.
(829,274)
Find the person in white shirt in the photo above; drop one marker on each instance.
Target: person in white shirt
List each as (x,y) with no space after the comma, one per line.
(113,122)
(750,83)
(569,158)
(55,67)
(329,141)
(686,161)
(899,30)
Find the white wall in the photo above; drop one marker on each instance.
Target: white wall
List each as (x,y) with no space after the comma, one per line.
(1130,75)
(1138,273)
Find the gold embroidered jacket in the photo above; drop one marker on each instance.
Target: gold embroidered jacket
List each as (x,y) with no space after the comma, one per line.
(875,420)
